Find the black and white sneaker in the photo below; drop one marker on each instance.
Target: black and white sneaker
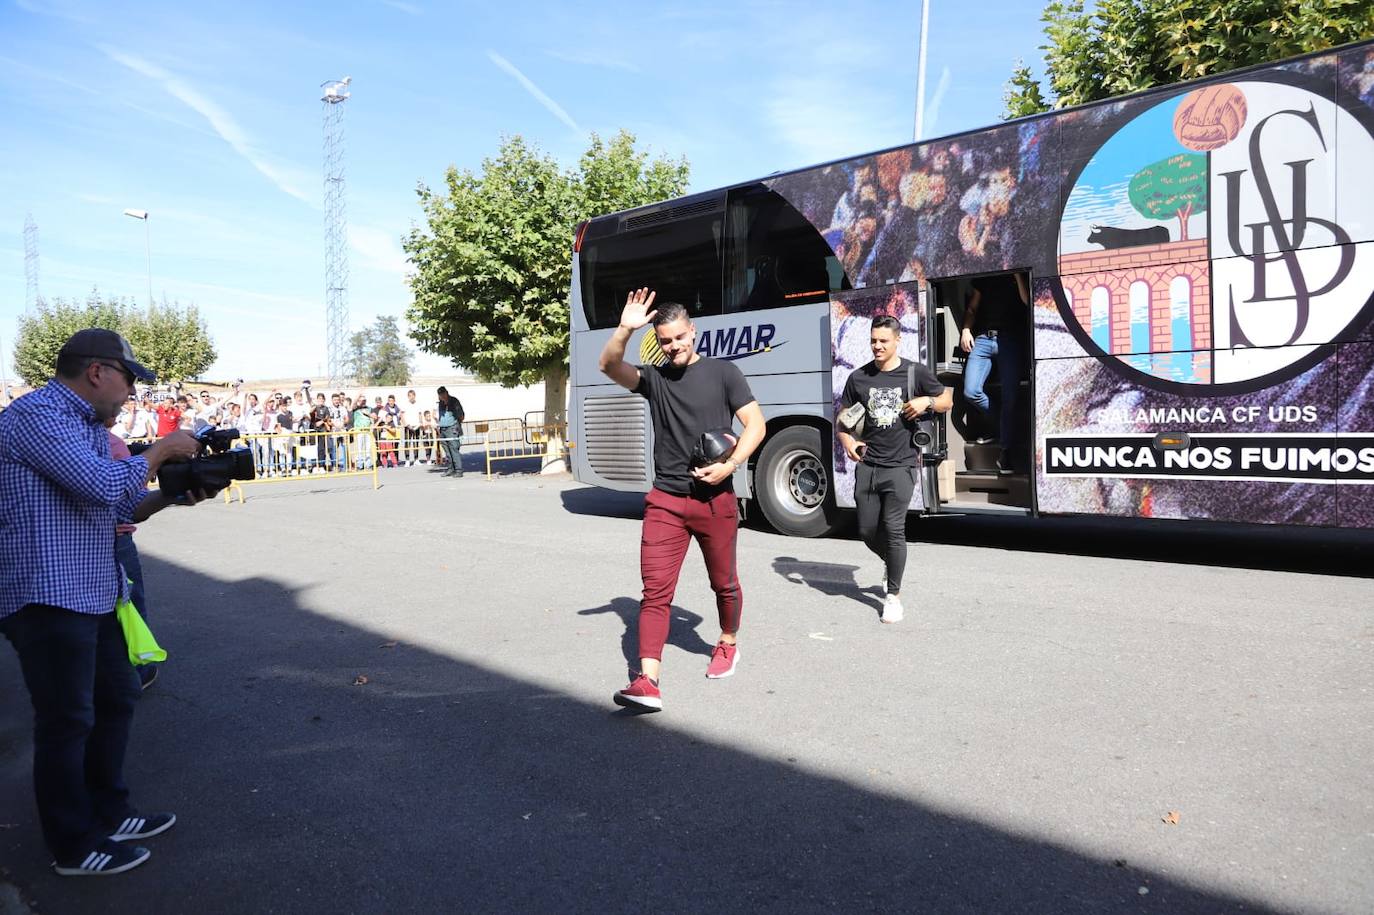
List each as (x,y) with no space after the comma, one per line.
(107,859)
(141,827)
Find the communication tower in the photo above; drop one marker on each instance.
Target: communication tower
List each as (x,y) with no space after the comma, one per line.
(334,94)
(31,294)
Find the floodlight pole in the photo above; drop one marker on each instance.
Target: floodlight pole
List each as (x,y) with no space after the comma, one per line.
(921,71)
(147,248)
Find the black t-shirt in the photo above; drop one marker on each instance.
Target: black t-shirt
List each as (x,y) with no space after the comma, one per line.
(284,419)
(684,403)
(999,306)
(319,417)
(886,432)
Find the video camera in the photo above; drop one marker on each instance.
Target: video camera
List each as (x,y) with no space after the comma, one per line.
(212,469)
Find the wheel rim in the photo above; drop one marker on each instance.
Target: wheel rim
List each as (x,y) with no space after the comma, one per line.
(800,482)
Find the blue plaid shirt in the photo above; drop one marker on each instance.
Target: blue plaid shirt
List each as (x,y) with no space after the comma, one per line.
(60,496)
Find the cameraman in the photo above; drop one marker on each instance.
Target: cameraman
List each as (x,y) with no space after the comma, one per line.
(61,496)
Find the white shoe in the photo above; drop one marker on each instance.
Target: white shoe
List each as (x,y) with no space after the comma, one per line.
(892,609)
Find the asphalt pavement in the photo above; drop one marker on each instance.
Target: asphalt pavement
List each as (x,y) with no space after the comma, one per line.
(400,701)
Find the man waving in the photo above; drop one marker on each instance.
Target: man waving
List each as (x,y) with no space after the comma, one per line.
(688,395)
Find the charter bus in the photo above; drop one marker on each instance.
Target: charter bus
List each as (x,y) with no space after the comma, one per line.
(1190,270)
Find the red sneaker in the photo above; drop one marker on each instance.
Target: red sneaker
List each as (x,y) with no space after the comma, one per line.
(641,694)
(723,660)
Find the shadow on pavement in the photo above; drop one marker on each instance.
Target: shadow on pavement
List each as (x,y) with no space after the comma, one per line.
(1288,549)
(606,503)
(682,629)
(439,785)
(829,578)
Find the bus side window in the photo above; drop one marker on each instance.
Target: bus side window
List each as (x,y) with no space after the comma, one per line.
(774,257)
(680,260)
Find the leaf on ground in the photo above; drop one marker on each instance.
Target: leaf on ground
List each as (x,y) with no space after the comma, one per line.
(360,680)
(1171,817)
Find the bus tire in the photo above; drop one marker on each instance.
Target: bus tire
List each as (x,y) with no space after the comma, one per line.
(794,486)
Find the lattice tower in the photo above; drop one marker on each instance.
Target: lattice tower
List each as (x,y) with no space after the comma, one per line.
(31,295)
(334,94)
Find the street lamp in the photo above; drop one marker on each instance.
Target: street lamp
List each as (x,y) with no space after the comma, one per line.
(147,248)
(921,73)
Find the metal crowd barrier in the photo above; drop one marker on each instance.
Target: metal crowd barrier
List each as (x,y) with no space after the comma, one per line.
(283,457)
(525,441)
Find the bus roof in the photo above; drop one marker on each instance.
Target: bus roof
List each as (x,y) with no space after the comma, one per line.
(1143,93)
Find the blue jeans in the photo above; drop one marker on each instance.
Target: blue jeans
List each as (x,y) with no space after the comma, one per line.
(338,453)
(1009,352)
(83,689)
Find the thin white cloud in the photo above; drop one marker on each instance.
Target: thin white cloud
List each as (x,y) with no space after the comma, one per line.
(97,199)
(933,108)
(377,249)
(823,120)
(221,121)
(408,8)
(539,95)
(57,9)
(596,59)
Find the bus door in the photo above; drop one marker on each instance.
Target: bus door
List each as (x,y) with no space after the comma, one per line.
(981,453)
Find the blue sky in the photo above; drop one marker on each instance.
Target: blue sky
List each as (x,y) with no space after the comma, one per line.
(209,118)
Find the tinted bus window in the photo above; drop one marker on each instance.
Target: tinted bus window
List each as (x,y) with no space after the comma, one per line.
(775,257)
(680,261)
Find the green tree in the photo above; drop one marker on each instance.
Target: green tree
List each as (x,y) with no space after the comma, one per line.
(1022,95)
(378,356)
(1176,186)
(171,340)
(1127,45)
(493,262)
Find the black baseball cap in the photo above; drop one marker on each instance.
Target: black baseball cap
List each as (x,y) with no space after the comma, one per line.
(98,343)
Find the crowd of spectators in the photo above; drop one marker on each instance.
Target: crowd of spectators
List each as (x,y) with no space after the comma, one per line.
(305,431)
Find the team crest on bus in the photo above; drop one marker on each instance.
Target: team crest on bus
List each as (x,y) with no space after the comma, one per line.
(1211,243)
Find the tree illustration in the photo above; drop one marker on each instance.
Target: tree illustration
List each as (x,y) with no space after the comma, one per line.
(1176,186)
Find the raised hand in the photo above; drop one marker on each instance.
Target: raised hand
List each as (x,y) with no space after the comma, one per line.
(637,311)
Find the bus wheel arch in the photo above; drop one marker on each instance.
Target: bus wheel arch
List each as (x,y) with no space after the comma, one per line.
(794,484)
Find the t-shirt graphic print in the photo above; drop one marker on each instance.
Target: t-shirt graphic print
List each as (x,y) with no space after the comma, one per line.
(884,406)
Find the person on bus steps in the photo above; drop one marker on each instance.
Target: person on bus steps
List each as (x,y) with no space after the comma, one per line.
(888,458)
(994,330)
(688,395)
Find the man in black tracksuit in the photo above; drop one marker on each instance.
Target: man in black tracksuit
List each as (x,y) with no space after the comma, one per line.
(887,458)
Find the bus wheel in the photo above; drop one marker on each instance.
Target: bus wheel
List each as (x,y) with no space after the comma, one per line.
(793,486)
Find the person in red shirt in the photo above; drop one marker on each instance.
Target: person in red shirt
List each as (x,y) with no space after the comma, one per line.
(168,418)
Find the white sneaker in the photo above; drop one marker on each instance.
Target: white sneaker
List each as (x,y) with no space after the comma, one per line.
(892,609)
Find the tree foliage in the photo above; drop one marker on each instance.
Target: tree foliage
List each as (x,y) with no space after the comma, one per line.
(1124,46)
(378,356)
(171,340)
(493,260)
(1172,187)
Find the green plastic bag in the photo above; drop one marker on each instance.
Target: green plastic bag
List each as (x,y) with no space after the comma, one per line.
(143,648)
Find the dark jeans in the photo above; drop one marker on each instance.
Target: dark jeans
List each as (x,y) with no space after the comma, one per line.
(451,439)
(881,496)
(84,690)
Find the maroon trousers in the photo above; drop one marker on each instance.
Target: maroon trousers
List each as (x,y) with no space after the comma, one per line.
(670,523)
